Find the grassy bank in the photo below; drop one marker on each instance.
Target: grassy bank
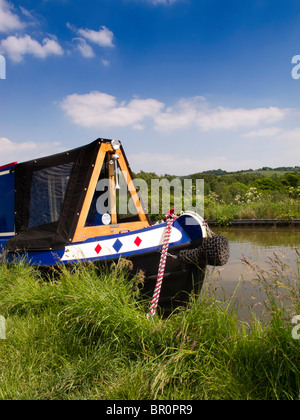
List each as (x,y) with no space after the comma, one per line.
(283,210)
(262,194)
(258,207)
(82,336)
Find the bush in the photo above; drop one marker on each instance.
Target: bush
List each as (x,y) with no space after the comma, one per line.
(237,189)
(267,185)
(291,180)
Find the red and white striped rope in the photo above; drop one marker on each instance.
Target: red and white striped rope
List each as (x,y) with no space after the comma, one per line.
(162,264)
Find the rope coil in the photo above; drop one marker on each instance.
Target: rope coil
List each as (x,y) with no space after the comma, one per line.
(162,263)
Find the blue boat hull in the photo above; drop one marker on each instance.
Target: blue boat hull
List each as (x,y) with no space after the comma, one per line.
(143,248)
(186,232)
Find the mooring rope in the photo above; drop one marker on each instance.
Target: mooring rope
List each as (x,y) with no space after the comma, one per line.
(162,264)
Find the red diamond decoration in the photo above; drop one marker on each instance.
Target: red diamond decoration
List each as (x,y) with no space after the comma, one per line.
(138,241)
(98,249)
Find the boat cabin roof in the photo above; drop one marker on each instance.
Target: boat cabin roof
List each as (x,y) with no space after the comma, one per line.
(70,197)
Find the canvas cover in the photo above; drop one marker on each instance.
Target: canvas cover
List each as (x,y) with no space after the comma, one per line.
(49,194)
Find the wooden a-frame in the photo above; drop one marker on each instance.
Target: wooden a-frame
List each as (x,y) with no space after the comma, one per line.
(82,232)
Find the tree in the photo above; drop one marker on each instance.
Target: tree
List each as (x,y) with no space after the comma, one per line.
(237,188)
(267,185)
(291,180)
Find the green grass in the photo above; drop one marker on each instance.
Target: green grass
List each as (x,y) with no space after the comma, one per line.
(266,208)
(86,335)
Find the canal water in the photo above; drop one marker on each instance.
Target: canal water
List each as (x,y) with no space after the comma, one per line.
(252,249)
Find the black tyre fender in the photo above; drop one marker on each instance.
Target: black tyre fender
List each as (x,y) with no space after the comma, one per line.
(214,251)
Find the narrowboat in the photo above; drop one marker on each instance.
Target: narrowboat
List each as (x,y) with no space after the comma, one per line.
(65,209)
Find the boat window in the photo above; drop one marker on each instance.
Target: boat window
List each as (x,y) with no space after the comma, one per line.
(7,202)
(47,193)
(100,212)
(126,209)
(100,202)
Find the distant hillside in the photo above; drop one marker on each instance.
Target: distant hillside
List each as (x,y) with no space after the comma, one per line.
(264,171)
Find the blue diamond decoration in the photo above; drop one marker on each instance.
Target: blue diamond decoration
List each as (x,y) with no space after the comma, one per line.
(117,245)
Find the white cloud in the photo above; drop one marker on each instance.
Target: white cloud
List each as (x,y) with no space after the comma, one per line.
(289,137)
(85,49)
(103,37)
(263,132)
(105,62)
(157,2)
(17,47)
(188,112)
(233,118)
(291,140)
(26,13)
(12,151)
(30,18)
(182,115)
(97,109)
(9,21)
(165,2)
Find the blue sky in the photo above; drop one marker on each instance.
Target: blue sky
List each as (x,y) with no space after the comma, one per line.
(186,85)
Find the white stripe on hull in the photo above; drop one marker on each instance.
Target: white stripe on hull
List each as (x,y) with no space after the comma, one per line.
(109,247)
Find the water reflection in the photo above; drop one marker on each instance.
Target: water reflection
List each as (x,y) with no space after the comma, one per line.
(264,237)
(259,246)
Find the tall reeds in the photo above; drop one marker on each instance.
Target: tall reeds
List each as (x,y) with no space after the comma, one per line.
(84,334)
